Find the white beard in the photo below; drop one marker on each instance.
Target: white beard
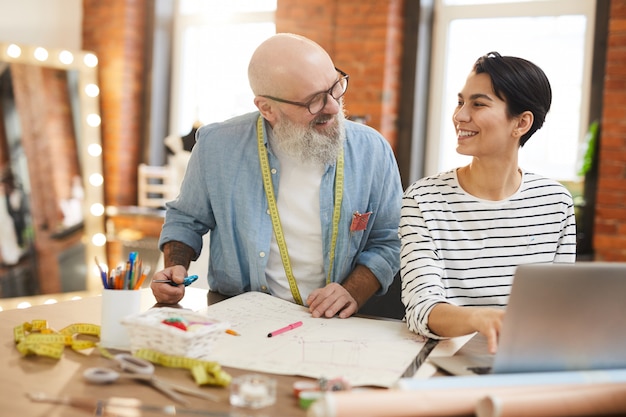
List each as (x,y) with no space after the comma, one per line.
(306,144)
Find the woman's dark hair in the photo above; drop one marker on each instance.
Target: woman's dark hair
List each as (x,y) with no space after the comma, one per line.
(521,84)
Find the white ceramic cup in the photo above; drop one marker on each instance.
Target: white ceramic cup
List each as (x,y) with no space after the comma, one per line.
(116,305)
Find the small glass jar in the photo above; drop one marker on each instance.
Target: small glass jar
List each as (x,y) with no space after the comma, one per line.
(252,391)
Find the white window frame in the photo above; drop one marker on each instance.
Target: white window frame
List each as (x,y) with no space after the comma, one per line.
(443,16)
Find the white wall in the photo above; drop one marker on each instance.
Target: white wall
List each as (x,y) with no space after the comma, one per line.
(50,23)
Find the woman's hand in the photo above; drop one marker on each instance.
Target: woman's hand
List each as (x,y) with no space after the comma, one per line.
(488,321)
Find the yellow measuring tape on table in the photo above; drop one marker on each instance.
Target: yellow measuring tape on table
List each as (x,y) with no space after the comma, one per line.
(36,338)
(204,372)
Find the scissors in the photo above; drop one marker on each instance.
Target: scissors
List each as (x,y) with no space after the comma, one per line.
(142,370)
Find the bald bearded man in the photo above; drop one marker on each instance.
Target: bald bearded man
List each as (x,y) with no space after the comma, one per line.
(299,202)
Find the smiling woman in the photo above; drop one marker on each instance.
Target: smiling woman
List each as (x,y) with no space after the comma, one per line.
(50,145)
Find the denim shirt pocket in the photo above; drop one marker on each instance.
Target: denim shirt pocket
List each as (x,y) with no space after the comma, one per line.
(354,245)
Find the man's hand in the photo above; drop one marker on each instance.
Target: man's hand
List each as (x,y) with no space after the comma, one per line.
(177,257)
(166,293)
(330,300)
(344,299)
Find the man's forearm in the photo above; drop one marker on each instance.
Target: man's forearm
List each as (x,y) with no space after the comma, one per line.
(361,284)
(177,253)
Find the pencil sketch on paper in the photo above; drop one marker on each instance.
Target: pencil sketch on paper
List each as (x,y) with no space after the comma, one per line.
(365,351)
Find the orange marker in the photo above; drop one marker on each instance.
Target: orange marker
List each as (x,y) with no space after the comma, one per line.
(142,278)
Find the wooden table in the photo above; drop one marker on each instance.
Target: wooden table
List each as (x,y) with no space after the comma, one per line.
(60,378)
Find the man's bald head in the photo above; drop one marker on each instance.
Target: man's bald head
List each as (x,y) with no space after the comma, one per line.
(285,62)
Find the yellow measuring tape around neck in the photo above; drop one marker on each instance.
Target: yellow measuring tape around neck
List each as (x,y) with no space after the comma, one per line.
(278,231)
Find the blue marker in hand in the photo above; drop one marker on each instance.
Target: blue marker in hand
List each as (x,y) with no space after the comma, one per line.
(187,281)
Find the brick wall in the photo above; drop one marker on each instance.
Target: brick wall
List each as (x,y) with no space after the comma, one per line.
(115,31)
(610,219)
(364,39)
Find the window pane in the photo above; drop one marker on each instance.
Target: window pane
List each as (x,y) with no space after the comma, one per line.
(214,72)
(225,6)
(553,150)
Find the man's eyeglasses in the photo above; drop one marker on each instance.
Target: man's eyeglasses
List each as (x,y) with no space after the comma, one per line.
(317,103)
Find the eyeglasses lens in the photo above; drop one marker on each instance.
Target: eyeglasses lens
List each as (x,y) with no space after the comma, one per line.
(337,91)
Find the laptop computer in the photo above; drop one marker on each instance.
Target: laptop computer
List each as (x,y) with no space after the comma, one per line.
(560,317)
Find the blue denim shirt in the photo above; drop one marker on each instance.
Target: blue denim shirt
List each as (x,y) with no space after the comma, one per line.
(222,192)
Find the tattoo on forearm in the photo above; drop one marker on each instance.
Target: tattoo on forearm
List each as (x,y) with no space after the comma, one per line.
(177,253)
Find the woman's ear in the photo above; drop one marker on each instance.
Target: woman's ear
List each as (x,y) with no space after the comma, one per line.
(265,108)
(524,122)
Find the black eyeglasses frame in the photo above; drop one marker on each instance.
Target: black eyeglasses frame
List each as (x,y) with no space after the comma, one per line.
(307,105)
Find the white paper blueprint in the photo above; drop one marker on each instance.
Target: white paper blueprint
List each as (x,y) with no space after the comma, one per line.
(365,351)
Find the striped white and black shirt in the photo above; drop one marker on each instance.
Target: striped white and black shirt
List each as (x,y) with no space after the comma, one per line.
(463,250)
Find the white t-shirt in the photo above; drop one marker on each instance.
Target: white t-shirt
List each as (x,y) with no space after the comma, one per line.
(298,204)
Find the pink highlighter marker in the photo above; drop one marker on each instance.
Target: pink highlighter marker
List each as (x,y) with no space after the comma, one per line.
(284,329)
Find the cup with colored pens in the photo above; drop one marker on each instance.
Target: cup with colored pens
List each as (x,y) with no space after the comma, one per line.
(129,275)
(120,298)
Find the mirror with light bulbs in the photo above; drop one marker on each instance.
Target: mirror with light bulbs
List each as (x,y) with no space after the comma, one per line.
(30,130)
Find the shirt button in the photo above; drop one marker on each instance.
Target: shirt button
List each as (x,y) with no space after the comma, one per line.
(273,170)
(262,254)
(263,287)
(268,211)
